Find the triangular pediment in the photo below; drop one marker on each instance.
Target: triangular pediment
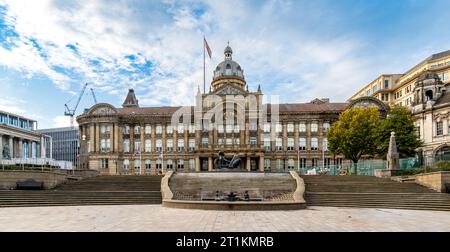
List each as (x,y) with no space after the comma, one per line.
(229,89)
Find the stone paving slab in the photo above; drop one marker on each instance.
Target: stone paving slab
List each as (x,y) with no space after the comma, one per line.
(157,218)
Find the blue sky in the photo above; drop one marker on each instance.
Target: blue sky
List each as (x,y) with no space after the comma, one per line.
(296,49)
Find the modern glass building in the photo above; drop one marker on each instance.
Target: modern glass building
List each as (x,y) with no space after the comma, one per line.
(65,145)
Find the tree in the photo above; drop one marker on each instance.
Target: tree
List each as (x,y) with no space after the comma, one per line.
(401,121)
(355,134)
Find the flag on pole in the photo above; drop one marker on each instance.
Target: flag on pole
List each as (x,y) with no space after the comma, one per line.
(207,48)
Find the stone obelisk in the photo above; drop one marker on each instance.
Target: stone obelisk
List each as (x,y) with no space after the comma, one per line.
(393,162)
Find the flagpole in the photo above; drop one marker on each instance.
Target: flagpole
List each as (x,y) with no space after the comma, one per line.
(204,78)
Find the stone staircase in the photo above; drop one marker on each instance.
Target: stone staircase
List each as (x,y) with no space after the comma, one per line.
(102,190)
(372,192)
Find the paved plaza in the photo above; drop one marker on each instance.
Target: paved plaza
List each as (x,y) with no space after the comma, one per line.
(157,218)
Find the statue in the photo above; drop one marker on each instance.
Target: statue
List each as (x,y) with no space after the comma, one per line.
(221,162)
(5,152)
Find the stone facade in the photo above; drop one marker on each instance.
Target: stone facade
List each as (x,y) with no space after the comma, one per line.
(423,89)
(151,140)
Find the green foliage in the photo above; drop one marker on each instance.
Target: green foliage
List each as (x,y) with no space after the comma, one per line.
(441,166)
(354,134)
(400,121)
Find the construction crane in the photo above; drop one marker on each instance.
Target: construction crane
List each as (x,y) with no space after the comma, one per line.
(71,112)
(93,95)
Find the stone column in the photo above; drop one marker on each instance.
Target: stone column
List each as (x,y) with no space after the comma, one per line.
(11,147)
(30,149)
(51,147)
(248,164)
(261,163)
(97,138)
(210,164)
(92,138)
(42,147)
(112,137)
(1,147)
(142,149)
(20,149)
(197,164)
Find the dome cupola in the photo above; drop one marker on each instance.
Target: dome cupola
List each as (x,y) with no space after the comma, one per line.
(228,67)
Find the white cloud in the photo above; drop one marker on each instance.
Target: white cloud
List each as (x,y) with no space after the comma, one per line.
(274,51)
(62,121)
(12,105)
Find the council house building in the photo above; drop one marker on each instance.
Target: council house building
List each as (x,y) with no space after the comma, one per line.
(266,137)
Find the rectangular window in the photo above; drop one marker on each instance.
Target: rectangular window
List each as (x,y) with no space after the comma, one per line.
(326,126)
(252,140)
(290,127)
(237,141)
(148,145)
(104,163)
(386,84)
(302,143)
(266,128)
(205,142)
(302,127)
(253,126)
(148,164)
(278,128)
(325,144)
(302,162)
(169,164)
(266,143)
(148,129)
(314,127)
(180,164)
(137,130)
(180,146)
(158,145)
(158,129)
(126,145)
(374,89)
(191,145)
(290,144)
(439,129)
(278,144)
(445,76)
(126,130)
(191,128)
(137,146)
(368,93)
(229,141)
(180,129)
(169,129)
(314,144)
(169,144)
